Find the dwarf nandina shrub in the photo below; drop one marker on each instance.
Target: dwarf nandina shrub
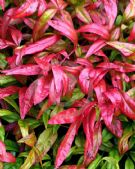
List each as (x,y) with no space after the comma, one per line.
(66,83)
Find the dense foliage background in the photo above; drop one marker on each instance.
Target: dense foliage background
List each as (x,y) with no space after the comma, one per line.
(67,84)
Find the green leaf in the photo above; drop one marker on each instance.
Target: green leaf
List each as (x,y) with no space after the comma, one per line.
(106,135)
(2,133)
(45,118)
(3,61)
(129,164)
(23,127)
(9,116)
(16,165)
(6,80)
(11,145)
(95,163)
(12,102)
(32,123)
(111,161)
(43,145)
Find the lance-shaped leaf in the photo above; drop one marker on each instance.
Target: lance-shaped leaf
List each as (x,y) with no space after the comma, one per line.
(5,156)
(125,48)
(41,24)
(66,143)
(65,27)
(22,92)
(84,80)
(122,101)
(111,11)
(42,5)
(95,29)
(16,36)
(95,47)
(92,149)
(59,4)
(42,89)
(83,14)
(129,12)
(72,167)
(2,4)
(29,69)
(35,47)
(66,116)
(7,91)
(123,144)
(132,34)
(5,43)
(26,9)
(59,85)
(34,94)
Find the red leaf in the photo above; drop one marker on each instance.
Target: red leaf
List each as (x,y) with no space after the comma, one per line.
(41,7)
(66,143)
(5,43)
(42,89)
(111,11)
(84,80)
(122,101)
(67,116)
(7,91)
(16,36)
(35,93)
(95,47)
(132,34)
(35,47)
(29,69)
(112,123)
(92,149)
(5,156)
(2,4)
(96,29)
(26,9)
(6,20)
(22,92)
(65,27)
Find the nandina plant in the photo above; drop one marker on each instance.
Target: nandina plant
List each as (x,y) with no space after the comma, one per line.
(66,74)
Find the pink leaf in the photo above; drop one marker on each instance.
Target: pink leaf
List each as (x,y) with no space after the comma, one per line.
(5,156)
(122,101)
(65,27)
(27,9)
(22,92)
(42,89)
(67,116)
(5,43)
(95,47)
(2,4)
(35,47)
(132,34)
(41,7)
(96,29)
(7,91)
(66,143)
(92,149)
(29,69)
(16,36)
(111,11)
